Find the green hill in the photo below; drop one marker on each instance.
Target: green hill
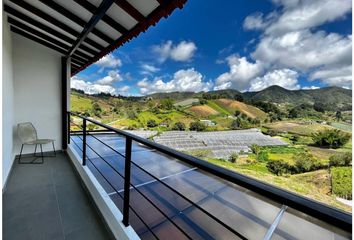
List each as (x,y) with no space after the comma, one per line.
(333,97)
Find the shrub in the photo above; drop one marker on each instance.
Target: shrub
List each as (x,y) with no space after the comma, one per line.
(278,167)
(342,159)
(236,124)
(233,157)
(262,156)
(333,138)
(341,179)
(305,162)
(151,123)
(272,132)
(197,126)
(179,126)
(237,113)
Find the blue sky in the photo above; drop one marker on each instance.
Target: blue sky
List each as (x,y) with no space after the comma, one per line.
(244,45)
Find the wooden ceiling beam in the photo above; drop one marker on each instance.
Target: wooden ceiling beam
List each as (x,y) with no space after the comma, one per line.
(35,39)
(107,19)
(55,22)
(130,9)
(74,18)
(100,12)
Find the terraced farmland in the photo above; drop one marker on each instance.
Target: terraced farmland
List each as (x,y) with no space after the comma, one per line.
(250,111)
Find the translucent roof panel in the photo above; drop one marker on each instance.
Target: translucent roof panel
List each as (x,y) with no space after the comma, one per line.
(170,199)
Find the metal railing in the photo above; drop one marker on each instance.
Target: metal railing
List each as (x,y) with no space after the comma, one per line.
(332,216)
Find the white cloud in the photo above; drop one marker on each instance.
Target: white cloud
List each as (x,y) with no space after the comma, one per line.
(338,76)
(113,76)
(290,40)
(304,50)
(254,22)
(109,61)
(183,80)
(306,14)
(123,90)
(240,73)
(310,88)
(285,78)
(91,88)
(148,69)
(182,52)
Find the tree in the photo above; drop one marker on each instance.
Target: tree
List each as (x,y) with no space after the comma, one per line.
(151,123)
(236,124)
(338,115)
(256,149)
(319,107)
(197,126)
(332,138)
(96,109)
(167,103)
(179,126)
(237,113)
(233,157)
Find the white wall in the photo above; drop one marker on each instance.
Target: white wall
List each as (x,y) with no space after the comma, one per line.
(37,90)
(7,101)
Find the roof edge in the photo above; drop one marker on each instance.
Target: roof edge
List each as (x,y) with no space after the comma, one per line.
(162,11)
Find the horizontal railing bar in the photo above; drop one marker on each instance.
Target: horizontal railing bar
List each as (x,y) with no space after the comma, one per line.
(151,202)
(191,202)
(130,206)
(311,207)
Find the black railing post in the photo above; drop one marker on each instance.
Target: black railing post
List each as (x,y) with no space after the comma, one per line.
(127,172)
(84,142)
(68,114)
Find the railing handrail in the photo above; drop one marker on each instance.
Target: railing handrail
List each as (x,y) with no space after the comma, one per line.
(331,215)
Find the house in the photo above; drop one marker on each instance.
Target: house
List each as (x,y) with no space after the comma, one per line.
(108,183)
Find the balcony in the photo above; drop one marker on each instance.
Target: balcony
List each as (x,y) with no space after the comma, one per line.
(109,183)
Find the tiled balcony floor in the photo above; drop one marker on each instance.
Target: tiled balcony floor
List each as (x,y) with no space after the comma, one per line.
(47,201)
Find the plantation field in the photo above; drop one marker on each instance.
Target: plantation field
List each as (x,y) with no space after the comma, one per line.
(203,111)
(297,127)
(342,126)
(218,108)
(249,110)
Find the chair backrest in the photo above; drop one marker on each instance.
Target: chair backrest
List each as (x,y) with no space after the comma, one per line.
(26,132)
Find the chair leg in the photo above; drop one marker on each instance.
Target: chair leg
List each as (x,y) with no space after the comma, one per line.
(42,153)
(19,159)
(35,150)
(55,154)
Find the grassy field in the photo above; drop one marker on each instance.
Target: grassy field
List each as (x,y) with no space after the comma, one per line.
(80,104)
(297,127)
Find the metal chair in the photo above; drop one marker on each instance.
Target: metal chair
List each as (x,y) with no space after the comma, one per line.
(28,136)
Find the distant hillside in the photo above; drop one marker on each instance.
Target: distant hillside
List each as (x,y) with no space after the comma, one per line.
(334,97)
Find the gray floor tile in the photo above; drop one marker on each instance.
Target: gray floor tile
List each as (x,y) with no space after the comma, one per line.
(48,202)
